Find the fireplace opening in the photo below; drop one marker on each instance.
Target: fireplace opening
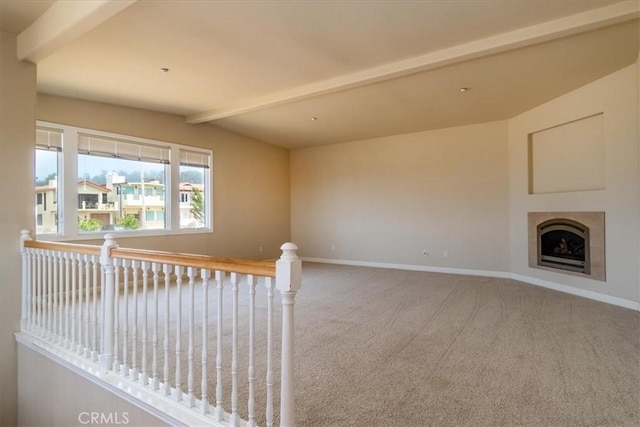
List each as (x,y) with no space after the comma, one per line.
(564,244)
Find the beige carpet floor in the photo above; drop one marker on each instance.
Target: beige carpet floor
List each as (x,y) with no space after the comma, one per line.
(381,347)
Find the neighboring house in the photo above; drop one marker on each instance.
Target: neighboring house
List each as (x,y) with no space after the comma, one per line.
(143,200)
(150,209)
(94,203)
(187,203)
(47,207)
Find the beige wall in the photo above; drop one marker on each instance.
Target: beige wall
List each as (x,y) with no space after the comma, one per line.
(41,378)
(386,199)
(251,178)
(17,133)
(616,96)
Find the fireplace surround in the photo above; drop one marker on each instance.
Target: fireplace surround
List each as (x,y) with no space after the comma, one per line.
(568,242)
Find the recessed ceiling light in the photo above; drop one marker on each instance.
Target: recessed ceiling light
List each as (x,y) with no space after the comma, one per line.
(164,70)
(464,89)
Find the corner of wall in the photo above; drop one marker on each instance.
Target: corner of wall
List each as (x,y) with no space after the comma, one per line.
(620,199)
(17,135)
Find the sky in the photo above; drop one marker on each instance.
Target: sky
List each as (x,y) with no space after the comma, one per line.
(89,166)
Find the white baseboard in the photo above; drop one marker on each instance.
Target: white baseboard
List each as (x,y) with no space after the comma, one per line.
(596,296)
(621,302)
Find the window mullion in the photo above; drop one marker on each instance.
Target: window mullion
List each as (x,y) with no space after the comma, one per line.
(208,191)
(173,191)
(69,188)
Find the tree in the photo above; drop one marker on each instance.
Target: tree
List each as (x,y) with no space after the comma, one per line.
(89,224)
(46,180)
(129,222)
(189,175)
(197,205)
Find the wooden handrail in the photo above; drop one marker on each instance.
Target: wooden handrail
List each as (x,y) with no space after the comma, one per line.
(236,265)
(66,247)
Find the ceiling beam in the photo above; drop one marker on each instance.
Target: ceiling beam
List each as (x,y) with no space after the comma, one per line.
(574,24)
(62,23)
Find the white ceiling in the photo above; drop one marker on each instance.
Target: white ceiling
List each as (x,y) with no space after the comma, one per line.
(364,68)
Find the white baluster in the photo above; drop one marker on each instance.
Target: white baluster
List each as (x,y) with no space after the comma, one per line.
(80,320)
(205,275)
(251,422)
(94,314)
(63,284)
(54,295)
(93,343)
(116,316)
(43,292)
(144,376)
(41,266)
(179,272)
(57,295)
(135,266)
(109,330)
(269,409)
(33,283)
(288,282)
(48,326)
(87,319)
(125,327)
(26,282)
(235,418)
(67,300)
(191,272)
(219,412)
(33,289)
(166,388)
(155,267)
(74,297)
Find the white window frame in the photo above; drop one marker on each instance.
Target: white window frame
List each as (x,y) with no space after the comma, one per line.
(67,193)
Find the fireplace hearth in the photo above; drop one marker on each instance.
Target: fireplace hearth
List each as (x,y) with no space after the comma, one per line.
(564,244)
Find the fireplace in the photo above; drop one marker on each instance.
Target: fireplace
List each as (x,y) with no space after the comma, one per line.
(568,242)
(564,244)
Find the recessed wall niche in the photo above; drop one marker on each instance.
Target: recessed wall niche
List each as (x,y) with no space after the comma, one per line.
(567,157)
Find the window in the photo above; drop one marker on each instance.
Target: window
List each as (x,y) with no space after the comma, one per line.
(47,160)
(194,173)
(120,184)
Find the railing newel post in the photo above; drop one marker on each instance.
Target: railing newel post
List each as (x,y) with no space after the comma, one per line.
(288,282)
(108,293)
(26,279)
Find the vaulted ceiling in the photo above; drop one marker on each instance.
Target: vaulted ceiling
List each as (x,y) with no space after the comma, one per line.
(302,73)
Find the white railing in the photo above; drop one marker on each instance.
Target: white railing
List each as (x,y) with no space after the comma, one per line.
(150,319)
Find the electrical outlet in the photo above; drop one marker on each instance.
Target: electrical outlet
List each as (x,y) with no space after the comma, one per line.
(260,248)
(445,253)
(333,247)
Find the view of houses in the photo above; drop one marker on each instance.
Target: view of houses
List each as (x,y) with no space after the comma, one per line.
(119,205)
